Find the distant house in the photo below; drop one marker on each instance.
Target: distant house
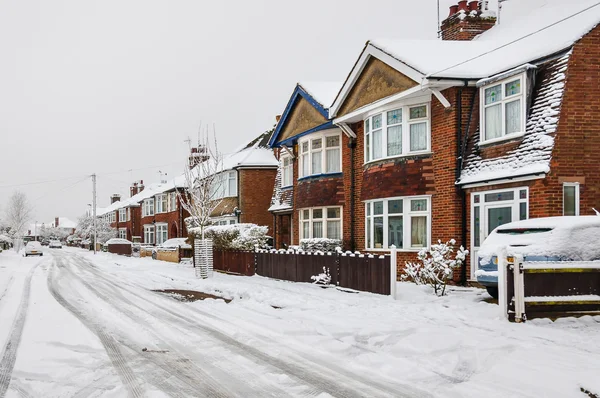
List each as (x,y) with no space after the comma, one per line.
(66,225)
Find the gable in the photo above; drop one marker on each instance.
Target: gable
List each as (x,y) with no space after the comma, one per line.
(302,117)
(376,81)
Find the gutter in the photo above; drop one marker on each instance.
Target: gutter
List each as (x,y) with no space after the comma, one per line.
(352,146)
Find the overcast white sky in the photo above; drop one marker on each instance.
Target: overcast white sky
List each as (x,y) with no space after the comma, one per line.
(117,85)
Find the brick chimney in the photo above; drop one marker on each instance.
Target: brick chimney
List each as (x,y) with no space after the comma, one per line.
(141,186)
(466,20)
(135,188)
(55,222)
(197,156)
(115,197)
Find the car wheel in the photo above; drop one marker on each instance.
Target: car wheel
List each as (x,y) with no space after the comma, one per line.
(492,291)
(41,254)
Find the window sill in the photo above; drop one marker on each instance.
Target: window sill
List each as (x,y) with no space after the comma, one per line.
(398,250)
(392,158)
(323,175)
(500,139)
(287,187)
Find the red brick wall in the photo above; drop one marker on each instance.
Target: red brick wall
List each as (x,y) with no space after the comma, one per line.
(255,192)
(454,28)
(322,191)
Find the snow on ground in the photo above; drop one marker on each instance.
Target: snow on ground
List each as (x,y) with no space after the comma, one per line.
(89,316)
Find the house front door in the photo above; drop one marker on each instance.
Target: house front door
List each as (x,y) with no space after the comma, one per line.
(286,231)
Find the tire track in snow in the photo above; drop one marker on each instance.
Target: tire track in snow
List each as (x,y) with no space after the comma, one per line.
(9,352)
(6,287)
(114,353)
(339,383)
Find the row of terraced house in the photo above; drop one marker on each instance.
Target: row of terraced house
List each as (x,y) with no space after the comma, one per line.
(424,140)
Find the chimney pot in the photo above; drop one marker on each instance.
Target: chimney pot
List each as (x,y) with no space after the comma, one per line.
(474,5)
(55,221)
(453,10)
(462,5)
(277,118)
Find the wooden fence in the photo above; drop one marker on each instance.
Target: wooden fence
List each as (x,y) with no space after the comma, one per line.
(551,289)
(369,273)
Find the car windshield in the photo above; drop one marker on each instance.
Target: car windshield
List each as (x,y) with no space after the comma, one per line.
(523,231)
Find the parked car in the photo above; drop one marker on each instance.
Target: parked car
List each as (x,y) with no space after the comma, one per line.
(569,238)
(33,248)
(45,242)
(55,244)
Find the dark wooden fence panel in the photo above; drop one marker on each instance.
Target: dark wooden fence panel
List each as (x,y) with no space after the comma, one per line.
(312,264)
(562,282)
(368,274)
(236,262)
(276,265)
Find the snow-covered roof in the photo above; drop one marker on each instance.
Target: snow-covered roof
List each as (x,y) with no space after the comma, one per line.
(64,222)
(282,199)
(532,155)
(529,30)
(322,92)
(148,192)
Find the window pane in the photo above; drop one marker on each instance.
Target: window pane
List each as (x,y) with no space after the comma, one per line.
(378,208)
(305,214)
(418,205)
(332,141)
(367,126)
(333,160)
(333,229)
(317,213)
(333,212)
(418,231)
(232,187)
(498,216)
(395,206)
(369,232)
(316,162)
(513,116)
(305,230)
(493,122)
(418,112)
(305,146)
(523,194)
(317,144)
(378,232)
(368,147)
(522,211)
(394,117)
(305,165)
(368,209)
(394,140)
(477,227)
(476,199)
(513,87)
(395,231)
(318,229)
(377,147)
(493,94)
(499,196)
(376,122)
(418,136)
(569,208)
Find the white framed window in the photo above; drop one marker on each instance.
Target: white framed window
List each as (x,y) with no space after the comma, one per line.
(404,222)
(224,221)
(161,203)
(320,153)
(503,109)
(224,185)
(401,131)
(149,234)
(571,199)
(148,207)
(173,201)
(321,222)
(122,215)
(232,183)
(129,214)
(288,171)
(123,233)
(112,217)
(162,233)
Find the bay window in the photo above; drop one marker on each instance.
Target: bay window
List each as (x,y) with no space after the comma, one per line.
(503,105)
(149,234)
(148,207)
(397,132)
(320,153)
(161,203)
(173,201)
(161,233)
(321,222)
(288,171)
(224,185)
(122,215)
(402,222)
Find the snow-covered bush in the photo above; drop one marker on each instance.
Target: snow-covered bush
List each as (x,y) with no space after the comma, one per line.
(85,229)
(233,237)
(320,244)
(323,278)
(436,266)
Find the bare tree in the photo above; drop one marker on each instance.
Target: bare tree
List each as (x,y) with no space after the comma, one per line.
(204,180)
(18,213)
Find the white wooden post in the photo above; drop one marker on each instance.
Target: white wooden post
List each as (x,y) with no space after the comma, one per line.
(393,270)
(502,291)
(519,289)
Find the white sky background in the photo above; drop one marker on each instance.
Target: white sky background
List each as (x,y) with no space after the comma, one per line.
(113,85)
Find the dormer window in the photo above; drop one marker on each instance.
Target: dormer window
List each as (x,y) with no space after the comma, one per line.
(397,132)
(503,106)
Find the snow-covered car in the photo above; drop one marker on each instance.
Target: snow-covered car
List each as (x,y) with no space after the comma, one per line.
(55,244)
(33,248)
(45,242)
(568,238)
(171,244)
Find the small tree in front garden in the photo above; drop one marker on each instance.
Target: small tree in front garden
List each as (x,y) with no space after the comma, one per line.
(436,266)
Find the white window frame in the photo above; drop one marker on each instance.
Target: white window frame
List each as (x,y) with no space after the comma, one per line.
(287,171)
(148,207)
(576,186)
(406,123)
(482,106)
(161,203)
(122,215)
(149,231)
(123,233)
(224,221)
(221,183)
(161,233)
(325,220)
(172,201)
(406,214)
(129,214)
(310,152)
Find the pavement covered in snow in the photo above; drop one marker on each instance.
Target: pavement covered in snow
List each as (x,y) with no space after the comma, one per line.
(75,324)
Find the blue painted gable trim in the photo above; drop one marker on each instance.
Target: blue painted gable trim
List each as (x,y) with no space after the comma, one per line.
(291,140)
(298,92)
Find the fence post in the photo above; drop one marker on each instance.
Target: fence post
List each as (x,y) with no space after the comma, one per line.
(502,282)
(519,289)
(393,270)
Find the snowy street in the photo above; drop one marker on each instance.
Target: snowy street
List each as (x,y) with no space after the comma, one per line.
(75,324)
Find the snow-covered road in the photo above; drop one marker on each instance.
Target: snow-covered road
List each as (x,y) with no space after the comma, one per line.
(75,324)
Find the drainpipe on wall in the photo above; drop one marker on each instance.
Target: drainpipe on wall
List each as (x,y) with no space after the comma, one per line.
(352,146)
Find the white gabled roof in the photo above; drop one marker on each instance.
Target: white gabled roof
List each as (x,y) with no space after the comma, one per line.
(323,92)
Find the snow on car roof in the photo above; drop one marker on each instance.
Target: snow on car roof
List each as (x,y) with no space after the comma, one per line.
(564,222)
(177,242)
(117,241)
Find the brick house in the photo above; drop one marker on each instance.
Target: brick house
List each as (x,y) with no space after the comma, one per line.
(308,197)
(450,138)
